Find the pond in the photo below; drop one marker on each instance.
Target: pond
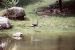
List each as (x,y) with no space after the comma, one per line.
(45,44)
(53,43)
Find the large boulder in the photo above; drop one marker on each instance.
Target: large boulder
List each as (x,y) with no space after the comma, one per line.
(15,13)
(4,23)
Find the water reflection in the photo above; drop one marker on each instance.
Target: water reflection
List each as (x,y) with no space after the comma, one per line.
(45,44)
(53,43)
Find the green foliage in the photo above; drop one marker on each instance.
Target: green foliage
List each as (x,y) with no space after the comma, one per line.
(10,3)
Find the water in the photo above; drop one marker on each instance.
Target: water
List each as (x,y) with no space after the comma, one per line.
(40,44)
(59,43)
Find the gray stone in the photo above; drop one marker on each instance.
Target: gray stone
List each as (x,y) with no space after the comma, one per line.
(17,35)
(15,13)
(4,23)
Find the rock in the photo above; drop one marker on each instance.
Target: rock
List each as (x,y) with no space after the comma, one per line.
(17,35)
(4,23)
(15,13)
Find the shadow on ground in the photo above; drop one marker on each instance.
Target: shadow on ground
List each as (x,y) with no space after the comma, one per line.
(68,9)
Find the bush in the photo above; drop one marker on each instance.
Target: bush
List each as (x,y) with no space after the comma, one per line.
(9,3)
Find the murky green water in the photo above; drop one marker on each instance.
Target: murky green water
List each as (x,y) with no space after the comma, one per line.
(64,43)
(33,45)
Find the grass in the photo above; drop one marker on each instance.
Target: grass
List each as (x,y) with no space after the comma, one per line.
(48,25)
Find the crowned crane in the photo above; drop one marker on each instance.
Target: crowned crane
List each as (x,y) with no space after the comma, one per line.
(35,24)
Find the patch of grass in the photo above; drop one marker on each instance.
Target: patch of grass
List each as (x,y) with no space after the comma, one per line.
(48,26)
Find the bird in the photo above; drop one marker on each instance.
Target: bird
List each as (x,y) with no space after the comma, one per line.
(35,24)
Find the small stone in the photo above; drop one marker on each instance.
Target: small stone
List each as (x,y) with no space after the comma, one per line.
(17,35)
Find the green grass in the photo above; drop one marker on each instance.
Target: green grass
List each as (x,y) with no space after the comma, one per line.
(50,26)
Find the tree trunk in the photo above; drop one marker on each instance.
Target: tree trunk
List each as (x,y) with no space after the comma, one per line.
(60,4)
